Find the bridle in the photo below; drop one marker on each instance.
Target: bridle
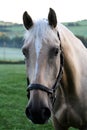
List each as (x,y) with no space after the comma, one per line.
(50,91)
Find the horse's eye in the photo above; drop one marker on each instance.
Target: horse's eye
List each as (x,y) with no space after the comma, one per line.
(25,52)
(56,50)
(53,52)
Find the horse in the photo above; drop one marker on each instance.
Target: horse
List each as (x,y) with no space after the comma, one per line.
(56,73)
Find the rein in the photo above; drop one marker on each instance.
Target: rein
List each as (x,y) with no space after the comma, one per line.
(50,91)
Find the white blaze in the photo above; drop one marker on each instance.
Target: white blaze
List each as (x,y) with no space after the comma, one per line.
(38,46)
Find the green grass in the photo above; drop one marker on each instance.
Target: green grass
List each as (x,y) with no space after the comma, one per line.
(13,100)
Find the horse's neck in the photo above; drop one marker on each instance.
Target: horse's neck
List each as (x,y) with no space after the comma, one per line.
(70,80)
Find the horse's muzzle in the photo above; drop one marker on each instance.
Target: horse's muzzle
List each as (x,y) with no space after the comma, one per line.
(38,116)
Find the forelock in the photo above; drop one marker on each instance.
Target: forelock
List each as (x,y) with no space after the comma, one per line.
(41,29)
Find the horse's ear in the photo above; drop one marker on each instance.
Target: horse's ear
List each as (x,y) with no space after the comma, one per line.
(27,20)
(52,18)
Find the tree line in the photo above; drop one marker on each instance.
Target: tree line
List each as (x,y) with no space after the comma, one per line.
(15,42)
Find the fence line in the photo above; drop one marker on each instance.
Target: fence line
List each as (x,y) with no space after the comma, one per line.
(10,54)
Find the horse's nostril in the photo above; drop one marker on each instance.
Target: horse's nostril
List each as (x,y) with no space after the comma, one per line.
(28,112)
(46,113)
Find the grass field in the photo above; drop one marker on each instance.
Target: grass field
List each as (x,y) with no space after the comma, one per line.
(13,100)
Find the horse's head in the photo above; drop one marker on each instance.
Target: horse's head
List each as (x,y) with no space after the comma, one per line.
(42,58)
